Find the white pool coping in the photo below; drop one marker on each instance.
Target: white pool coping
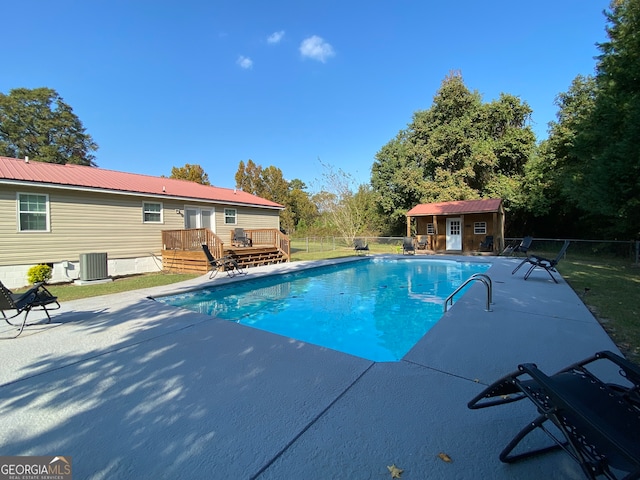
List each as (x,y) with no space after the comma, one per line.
(131,388)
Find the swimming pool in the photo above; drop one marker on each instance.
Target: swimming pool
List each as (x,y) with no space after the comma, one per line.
(376,308)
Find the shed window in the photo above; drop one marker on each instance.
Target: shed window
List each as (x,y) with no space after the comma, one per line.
(480,228)
(33,212)
(152,212)
(230,216)
(430,229)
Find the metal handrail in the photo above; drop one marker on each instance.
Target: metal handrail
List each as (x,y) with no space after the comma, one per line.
(482,277)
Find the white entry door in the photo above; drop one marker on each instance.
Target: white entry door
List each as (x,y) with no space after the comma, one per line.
(454,234)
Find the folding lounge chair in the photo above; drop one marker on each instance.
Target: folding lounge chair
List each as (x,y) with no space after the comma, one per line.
(548,265)
(360,246)
(37,297)
(487,243)
(523,247)
(408,246)
(422,242)
(597,422)
(240,238)
(226,263)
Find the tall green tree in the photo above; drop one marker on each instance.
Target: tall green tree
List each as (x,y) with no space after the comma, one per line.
(192,173)
(37,123)
(606,142)
(458,149)
(249,178)
(270,183)
(300,212)
(555,174)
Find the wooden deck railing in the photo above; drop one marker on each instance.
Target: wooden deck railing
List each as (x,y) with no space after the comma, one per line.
(270,237)
(192,239)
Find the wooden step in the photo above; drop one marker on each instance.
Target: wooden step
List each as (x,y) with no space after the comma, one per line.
(194,261)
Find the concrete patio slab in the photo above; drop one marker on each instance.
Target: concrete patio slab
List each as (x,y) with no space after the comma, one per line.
(132,388)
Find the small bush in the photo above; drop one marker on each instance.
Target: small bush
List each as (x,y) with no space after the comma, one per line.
(39,273)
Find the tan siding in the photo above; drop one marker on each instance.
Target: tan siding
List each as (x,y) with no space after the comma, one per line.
(84,222)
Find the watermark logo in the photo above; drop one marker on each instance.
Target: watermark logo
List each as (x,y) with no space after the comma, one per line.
(35,468)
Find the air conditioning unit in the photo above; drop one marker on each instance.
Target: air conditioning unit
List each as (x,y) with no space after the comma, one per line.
(93,266)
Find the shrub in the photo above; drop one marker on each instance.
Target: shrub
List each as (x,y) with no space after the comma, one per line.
(39,273)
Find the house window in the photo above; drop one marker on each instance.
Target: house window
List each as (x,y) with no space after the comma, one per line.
(152,212)
(33,212)
(230,216)
(430,229)
(480,228)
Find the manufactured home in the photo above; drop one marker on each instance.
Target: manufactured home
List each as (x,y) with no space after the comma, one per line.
(61,214)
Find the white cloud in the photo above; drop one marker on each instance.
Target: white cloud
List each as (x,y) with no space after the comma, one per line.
(244,62)
(275,37)
(316,48)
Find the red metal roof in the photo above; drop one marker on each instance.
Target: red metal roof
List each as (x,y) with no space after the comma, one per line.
(77,176)
(457,207)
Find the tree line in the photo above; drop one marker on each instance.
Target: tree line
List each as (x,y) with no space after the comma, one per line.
(582,181)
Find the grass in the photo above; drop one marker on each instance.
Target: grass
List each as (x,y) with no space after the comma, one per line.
(66,292)
(609,287)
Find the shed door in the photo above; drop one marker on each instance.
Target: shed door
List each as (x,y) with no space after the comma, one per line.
(454,234)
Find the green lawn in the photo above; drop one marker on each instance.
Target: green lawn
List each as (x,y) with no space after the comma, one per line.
(66,292)
(610,287)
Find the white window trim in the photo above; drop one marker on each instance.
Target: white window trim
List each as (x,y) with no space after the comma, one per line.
(480,225)
(433,229)
(146,202)
(235,216)
(47,213)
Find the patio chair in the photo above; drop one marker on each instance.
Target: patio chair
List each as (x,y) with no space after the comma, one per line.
(597,422)
(487,243)
(240,238)
(226,263)
(408,246)
(423,242)
(37,297)
(523,247)
(360,246)
(548,265)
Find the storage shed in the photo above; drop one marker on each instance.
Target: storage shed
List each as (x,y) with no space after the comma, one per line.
(461,226)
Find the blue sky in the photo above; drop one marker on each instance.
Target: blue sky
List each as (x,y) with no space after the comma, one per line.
(161,83)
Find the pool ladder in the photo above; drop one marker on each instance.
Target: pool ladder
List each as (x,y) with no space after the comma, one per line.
(480,277)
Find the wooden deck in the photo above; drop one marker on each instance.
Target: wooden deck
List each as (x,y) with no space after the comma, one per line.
(182,252)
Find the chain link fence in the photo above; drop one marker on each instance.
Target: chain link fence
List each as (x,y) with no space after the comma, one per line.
(629,249)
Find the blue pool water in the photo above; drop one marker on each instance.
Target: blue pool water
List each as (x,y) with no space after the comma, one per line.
(377,308)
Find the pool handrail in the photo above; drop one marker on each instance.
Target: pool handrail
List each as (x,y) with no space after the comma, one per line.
(482,277)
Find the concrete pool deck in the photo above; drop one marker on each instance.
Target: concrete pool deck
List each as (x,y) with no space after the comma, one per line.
(131,388)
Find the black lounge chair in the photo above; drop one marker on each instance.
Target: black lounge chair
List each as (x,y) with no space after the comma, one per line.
(522,247)
(360,246)
(37,297)
(487,243)
(599,421)
(226,263)
(240,238)
(548,265)
(408,246)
